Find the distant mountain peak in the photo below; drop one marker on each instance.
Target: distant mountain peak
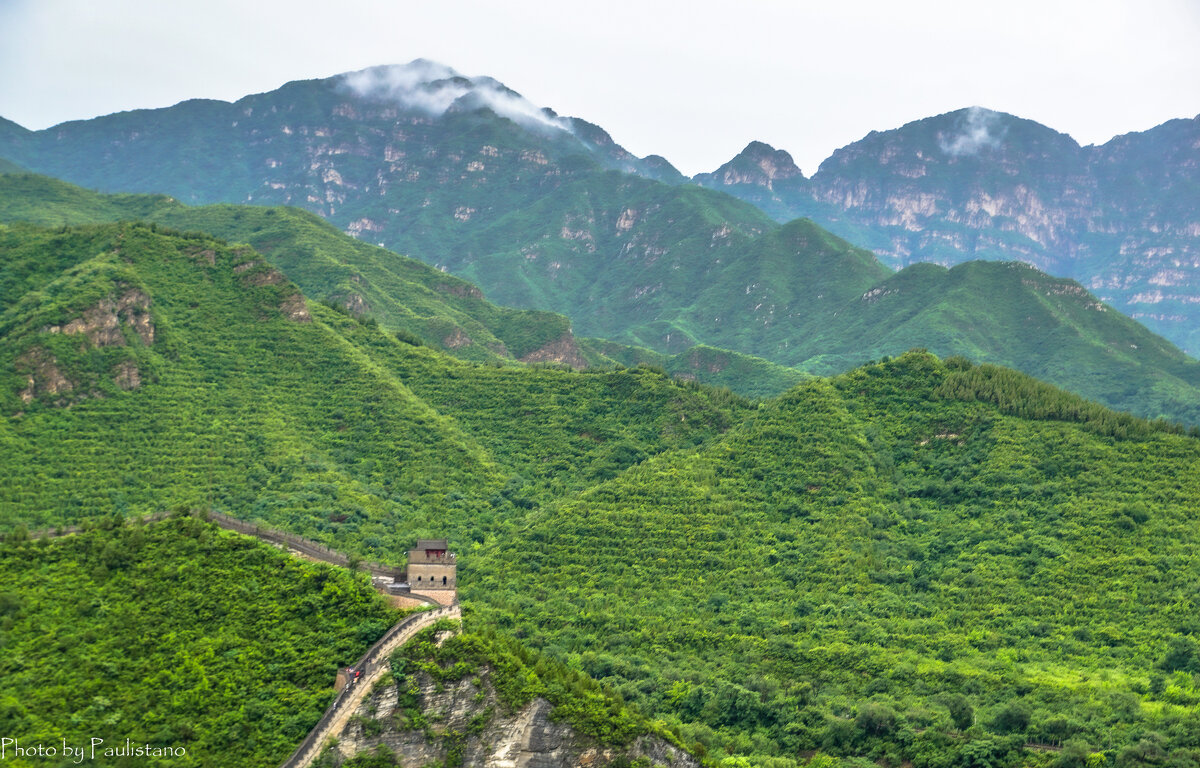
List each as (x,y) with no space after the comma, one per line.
(435,89)
(658,167)
(759,164)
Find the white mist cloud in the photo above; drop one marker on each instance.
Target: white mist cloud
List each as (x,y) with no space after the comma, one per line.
(977,128)
(434,88)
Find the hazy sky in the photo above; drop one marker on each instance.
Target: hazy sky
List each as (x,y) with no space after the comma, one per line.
(693,81)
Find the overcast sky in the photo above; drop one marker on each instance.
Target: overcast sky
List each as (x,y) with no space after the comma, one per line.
(692,81)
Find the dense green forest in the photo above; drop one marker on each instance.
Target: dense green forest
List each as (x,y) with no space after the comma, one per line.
(174,634)
(405,296)
(230,396)
(745,374)
(919,561)
(319,423)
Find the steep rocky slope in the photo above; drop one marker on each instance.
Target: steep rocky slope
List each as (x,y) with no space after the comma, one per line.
(419,720)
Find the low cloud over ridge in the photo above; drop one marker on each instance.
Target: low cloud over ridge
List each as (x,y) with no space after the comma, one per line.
(434,89)
(977,128)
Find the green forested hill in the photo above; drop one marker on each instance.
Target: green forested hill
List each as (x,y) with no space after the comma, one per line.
(174,634)
(549,213)
(163,369)
(978,184)
(178,635)
(403,294)
(745,374)
(795,295)
(917,561)
(1010,314)
(146,369)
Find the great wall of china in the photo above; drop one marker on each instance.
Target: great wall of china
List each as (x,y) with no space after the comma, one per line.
(373,664)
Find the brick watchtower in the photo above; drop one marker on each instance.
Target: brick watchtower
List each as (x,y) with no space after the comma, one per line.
(431,566)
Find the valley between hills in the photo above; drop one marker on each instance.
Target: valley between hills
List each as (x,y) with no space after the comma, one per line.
(725,487)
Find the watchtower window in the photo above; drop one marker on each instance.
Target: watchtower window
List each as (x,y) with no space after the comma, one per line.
(443,581)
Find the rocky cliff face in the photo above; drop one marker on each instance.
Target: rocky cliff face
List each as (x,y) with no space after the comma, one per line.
(762,175)
(113,321)
(1120,218)
(464,723)
(966,185)
(563,350)
(758,165)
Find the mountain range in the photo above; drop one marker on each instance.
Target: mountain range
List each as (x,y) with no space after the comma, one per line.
(1121,217)
(548,213)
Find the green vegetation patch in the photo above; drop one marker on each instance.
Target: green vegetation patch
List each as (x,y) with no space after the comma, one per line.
(871,557)
(174,634)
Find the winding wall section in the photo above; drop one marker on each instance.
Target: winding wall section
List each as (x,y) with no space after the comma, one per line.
(373,664)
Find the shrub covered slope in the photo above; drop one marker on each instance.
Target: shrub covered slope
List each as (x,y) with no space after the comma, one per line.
(147,369)
(174,634)
(916,561)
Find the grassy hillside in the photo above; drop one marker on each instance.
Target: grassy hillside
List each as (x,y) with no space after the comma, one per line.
(916,561)
(403,294)
(163,369)
(554,430)
(1010,314)
(744,374)
(669,268)
(174,634)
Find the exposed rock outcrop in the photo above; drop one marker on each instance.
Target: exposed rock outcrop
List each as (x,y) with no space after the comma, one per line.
(467,719)
(269,276)
(127,375)
(355,304)
(759,165)
(101,323)
(457,339)
(562,350)
(461,289)
(294,308)
(42,375)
